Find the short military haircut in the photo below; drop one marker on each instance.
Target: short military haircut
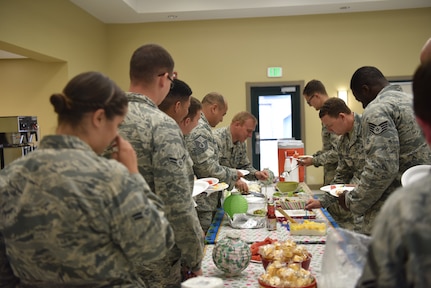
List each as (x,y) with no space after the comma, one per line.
(367,75)
(422,92)
(243,116)
(333,107)
(314,86)
(194,108)
(179,92)
(214,98)
(148,62)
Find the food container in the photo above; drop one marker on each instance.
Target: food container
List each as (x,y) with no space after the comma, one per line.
(287,186)
(285,252)
(256,203)
(201,281)
(231,254)
(304,264)
(279,275)
(264,285)
(315,227)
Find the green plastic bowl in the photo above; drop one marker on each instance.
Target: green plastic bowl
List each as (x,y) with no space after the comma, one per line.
(288,186)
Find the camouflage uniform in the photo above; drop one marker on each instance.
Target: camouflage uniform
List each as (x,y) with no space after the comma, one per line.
(233,154)
(327,157)
(204,152)
(165,164)
(400,252)
(393,142)
(350,164)
(71,217)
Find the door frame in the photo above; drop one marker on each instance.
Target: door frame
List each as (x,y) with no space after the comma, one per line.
(249,85)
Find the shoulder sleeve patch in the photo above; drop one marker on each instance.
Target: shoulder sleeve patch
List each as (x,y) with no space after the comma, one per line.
(377,129)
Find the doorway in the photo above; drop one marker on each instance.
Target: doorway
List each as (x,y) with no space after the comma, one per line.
(279,110)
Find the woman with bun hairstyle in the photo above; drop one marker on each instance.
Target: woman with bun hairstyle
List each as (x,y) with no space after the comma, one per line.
(71,218)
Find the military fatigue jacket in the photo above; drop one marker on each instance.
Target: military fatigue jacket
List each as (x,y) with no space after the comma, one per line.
(69,216)
(327,157)
(400,252)
(351,159)
(203,149)
(393,142)
(164,162)
(233,154)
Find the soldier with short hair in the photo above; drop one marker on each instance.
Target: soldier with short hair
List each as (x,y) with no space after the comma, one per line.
(233,148)
(204,152)
(399,253)
(337,117)
(164,162)
(393,142)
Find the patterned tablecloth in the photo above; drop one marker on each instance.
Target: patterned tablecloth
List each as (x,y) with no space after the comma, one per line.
(248,278)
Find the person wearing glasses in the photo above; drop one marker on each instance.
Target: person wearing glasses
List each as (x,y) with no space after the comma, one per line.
(164,162)
(315,95)
(71,218)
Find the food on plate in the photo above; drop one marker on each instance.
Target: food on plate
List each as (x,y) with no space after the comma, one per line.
(259,212)
(254,248)
(211,182)
(284,251)
(286,275)
(254,187)
(308,227)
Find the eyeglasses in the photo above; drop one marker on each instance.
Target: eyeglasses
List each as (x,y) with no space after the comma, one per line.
(309,99)
(169,77)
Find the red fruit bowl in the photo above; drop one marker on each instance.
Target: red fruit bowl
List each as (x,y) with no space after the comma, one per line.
(264,285)
(304,264)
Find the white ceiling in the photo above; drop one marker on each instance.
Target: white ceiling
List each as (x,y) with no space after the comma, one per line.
(140,11)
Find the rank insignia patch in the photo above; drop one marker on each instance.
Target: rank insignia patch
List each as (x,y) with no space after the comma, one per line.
(378,129)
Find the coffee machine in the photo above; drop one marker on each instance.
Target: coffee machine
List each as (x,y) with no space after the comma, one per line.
(19,136)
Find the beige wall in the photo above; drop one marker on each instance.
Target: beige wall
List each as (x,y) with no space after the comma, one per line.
(61,40)
(220,55)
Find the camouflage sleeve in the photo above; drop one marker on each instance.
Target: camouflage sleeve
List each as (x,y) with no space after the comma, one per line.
(201,146)
(343,173)
(173,178)
(7,278)
(244,162)
(381,147)
(327,200)
(329,153)
(399,234)
(137,222)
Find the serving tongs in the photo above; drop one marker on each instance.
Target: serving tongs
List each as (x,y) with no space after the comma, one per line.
(286,215)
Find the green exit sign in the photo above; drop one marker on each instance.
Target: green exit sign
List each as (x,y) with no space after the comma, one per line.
(275,72)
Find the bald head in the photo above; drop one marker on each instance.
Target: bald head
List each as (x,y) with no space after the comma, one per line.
(426,52)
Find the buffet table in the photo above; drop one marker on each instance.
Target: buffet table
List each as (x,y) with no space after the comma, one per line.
(248,278)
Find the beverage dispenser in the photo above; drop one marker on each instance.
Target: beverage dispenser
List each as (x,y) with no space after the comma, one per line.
(288,151)
(19,136)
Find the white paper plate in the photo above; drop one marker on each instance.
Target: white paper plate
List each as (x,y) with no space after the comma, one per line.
(210,180)
(333,189)
(244,172)
(199,187)
(413,174)
(216,187)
